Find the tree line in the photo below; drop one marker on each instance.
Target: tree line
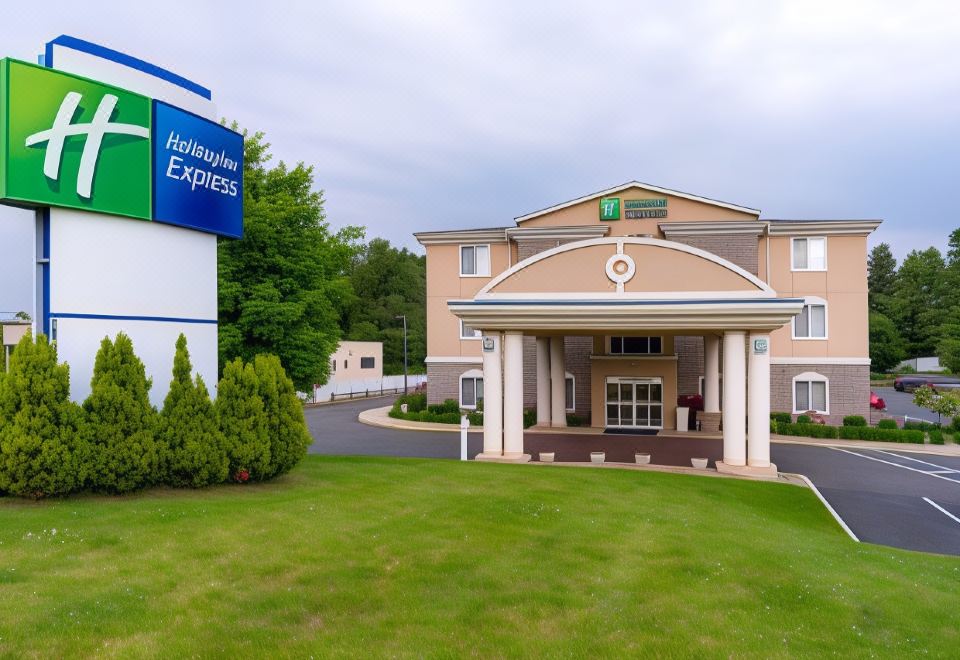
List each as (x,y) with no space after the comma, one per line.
(294,288)
(915,306)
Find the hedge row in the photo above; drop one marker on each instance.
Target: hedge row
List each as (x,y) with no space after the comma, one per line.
(850,432)
(117,442)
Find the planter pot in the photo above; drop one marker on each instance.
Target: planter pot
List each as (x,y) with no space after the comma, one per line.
(546,457)
(403,408)
(598,456)
(642,459)
(699,463)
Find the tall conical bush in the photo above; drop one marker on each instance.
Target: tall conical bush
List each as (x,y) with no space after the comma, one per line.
(127,455)
(188,425)
(244,422)
(288,433)
(43,450)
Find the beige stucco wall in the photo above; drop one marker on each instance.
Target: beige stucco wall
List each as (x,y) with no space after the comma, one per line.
(444,283)
(679,209)
(347,357)
(843,285)
(658,269)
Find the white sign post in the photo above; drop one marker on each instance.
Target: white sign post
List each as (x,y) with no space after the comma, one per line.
(464,425)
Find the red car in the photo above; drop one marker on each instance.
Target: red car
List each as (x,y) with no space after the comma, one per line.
(877,402)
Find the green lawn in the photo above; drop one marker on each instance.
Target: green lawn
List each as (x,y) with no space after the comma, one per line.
(357,557)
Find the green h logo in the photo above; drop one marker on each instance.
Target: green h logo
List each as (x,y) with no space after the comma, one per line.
(94,131)
(73,142)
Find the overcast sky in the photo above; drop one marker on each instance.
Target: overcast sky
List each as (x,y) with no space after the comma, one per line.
(441,115)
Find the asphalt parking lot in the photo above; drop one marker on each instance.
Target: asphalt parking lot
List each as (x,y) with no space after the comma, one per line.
(890,497)
(901,403)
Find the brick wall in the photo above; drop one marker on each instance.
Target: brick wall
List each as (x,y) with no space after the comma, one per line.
(527,249)
(741,249)
(849,388)
(689,363)
(443,380)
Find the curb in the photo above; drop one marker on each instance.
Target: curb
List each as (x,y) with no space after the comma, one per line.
(823,500)
(378,417)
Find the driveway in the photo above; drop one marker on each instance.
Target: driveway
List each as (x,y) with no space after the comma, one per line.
(901,403)
(890,497)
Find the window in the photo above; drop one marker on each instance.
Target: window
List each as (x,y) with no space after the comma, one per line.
(475,261)
(636,345)
(809,253)
(346,364)
(466,332)
(811,391)
(811,323)
(333,366)
(367,362)
(471,388)
(571,403)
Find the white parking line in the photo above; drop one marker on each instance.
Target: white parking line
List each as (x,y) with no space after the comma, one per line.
(943,469)
(941,509)
(897,465)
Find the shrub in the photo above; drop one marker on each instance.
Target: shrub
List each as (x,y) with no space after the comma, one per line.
(803,419)
(122,423)
(920,426)
(43,450)
(476,418)
(243,422)
(773,426)
(887,424)
(289,437)
(783,417)
(448,406)
(880,434)
(854,420)
(807,430)
(936,436)
(529,417)
(197,453)
(572,419)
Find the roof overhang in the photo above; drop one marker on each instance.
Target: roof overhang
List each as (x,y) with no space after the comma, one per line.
(492,235)
(575,232)
(751,228)
(822,227)
(599,314)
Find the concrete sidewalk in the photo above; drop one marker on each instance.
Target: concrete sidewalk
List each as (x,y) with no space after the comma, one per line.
(379,417)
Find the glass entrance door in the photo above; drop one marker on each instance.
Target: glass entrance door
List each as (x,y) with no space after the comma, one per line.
(635,403)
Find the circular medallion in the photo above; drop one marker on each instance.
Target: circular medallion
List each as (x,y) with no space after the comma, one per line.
(620,268)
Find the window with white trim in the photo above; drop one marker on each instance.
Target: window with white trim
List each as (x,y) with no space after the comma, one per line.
(471,388)
(368,362)
(466,332)
(570,391)
(636,345)
(809,253)
(475,261)
(811,391)
(811,322)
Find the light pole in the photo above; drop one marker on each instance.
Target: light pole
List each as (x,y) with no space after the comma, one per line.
(404,317)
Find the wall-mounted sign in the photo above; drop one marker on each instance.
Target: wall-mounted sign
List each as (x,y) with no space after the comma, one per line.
(73,142)
(637,214)
(488,345)
(610,208)
(760,346)
(660,203)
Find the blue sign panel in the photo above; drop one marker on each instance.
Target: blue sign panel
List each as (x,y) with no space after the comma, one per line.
(197,172)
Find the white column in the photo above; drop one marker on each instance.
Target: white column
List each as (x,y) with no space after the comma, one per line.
(543,381)
(512,394)
(492,396)
(758,405)
(734,399)
(558,385)
(711,374)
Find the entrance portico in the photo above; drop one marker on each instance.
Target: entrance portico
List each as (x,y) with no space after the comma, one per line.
(615,290)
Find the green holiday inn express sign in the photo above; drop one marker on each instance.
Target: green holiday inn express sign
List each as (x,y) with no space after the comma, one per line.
(82,136)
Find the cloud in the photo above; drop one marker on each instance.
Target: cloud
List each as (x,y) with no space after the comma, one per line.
(434,115)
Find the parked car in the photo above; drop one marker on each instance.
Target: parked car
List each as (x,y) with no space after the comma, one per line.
(877,402)
(909,383)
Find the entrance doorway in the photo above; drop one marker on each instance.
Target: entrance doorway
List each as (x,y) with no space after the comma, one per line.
(634,403)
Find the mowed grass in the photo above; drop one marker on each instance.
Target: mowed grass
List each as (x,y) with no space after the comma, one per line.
(379,557)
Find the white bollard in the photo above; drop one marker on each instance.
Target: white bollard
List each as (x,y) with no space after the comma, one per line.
(464,425)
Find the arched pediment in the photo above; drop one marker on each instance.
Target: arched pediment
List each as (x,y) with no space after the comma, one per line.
(645,268)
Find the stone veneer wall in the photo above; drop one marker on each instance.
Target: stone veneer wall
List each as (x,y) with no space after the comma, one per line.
(741,249)
(443,380)
(527,249)
(849,387)
(689,352)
